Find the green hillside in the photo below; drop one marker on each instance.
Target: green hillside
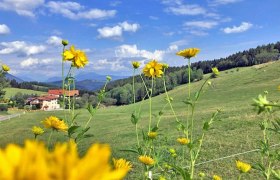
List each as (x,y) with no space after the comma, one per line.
(12,91)
(237,131)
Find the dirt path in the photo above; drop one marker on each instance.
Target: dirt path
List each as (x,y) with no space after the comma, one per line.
(3,118)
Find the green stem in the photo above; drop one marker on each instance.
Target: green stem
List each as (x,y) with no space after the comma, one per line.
(189,71)
(161,116)
(98,104)
(49,139)
(73,100)
(136,130)
(239,177)
(144,84)
(189,93)
(150,100)
(168,98)
(133,86)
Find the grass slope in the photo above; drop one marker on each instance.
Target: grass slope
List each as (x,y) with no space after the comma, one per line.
(238,130)
(12,91)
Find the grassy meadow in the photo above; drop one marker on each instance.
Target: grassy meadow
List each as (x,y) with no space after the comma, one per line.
(12,91)
(237,131)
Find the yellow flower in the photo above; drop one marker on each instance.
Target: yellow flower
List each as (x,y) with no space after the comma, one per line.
(35,161)
(37,130)
(5,67)
(78,57)
(243,167)
(146,160)
(216,177)
(55,123)
(183,141)
(188,53)
(122,164)
(215,71)
(278,88)
(152,135)
(153,69)
(135,64)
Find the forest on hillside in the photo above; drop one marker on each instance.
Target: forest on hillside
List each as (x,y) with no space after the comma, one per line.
(120,91)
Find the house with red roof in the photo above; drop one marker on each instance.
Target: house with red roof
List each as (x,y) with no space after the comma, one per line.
(50,101)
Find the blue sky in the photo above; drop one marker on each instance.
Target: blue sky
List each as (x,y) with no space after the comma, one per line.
(114,33)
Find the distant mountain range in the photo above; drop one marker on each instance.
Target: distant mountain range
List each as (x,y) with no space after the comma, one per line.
(84,81)
(88,76)
(11,77)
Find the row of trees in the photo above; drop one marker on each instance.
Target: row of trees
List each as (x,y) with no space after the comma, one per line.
(34,85)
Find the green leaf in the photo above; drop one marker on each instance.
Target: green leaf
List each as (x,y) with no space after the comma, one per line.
(196,96)
(130,150)
(155,129)
(184,173)
(91,110)
(134,119)
(188,102)
(160,113)
(206,126)
(72,130)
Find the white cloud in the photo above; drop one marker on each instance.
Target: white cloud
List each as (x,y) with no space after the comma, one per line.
(180,43)
(21,7)
(173,47)
(130,51)
(238,29)
(21,48)
(33,62)
(4,29)
(110,32)
(116,32)
(191,9)
(54,40)
(115,65)
(29,62)
(153,17)
(129,27)
(198,33)
(74,10)
(223,2)
(201,24)
(172,2)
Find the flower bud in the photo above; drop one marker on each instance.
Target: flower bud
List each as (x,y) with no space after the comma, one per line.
(64,42)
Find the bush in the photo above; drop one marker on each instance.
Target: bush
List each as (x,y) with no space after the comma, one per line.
(3,107)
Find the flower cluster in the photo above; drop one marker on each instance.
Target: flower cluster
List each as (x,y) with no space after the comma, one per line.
(188,53)
(153,69)
(35,161)
(242,166)
(122,164)
(78,57)
(37,130)
(55,123)
(5,68)
(183,141)
(147,160)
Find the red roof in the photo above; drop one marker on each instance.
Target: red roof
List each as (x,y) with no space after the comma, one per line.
(47,98)
(60,92)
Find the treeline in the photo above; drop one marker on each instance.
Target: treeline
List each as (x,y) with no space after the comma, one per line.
(120,91)
(33,85)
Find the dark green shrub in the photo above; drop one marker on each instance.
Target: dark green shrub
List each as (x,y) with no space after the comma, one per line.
(3,107)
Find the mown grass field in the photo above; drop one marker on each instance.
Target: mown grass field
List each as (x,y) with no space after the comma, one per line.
(237,131)
(12,91)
